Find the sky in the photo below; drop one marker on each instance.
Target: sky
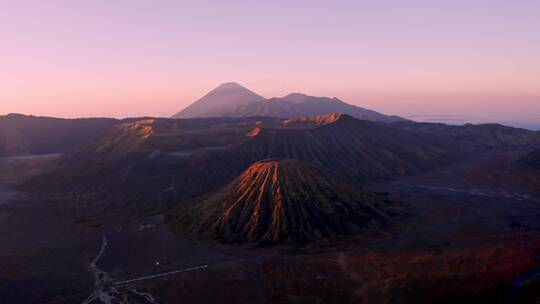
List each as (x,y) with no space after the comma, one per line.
(429,60)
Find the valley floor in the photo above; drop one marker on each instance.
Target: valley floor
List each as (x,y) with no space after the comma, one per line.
(472,234)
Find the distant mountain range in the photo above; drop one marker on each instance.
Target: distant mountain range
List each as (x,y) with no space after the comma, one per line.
(23,135)
(233,100)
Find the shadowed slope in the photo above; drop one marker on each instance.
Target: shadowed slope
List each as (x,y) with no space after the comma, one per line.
(282,201)
(531,160)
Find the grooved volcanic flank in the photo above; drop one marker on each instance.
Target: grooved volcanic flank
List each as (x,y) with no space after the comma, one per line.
(282,201)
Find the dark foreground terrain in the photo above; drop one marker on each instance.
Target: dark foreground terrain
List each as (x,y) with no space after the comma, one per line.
(462,243)
(425,213)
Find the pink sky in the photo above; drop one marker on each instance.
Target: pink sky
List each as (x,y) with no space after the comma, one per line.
(474,59)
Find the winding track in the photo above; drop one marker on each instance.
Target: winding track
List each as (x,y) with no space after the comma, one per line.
(104,288)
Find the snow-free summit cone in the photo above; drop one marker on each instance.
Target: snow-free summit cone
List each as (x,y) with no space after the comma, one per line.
(282,201)
(224,100)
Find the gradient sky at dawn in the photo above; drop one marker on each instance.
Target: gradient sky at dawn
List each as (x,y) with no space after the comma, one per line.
(446,60)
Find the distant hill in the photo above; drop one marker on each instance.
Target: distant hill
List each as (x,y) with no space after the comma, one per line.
(488,135)
(225,100)
(23,135)
(233,100)
(282,201)
(298,104)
